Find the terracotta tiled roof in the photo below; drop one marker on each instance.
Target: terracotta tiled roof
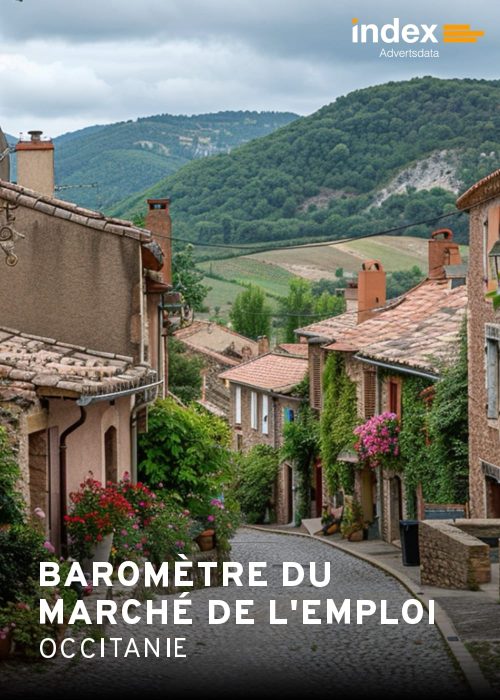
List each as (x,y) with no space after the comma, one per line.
(294,348)
(329,328)
(30,364)
(421,330)
(22,196)
(481,191)
(217,341)
(273,372)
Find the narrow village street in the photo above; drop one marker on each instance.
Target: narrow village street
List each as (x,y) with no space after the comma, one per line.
(228,658)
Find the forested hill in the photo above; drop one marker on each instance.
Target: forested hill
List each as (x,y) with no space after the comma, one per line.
(129,156)
(355,166)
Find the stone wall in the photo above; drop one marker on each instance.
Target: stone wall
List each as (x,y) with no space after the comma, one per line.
(484,441)
(450,557)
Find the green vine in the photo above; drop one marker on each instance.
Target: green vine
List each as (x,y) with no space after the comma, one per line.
(301,446)
(338,420)
(434,438)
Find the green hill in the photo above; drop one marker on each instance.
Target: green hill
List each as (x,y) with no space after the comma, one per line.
(376,158)
(127,157)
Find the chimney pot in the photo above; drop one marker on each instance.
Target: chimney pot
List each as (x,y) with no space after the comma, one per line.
(158,221)
(35,163)
(263,344)
(442,251)
(36,135)
(371,289)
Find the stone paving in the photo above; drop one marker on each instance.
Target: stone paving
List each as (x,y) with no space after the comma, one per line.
(225,659)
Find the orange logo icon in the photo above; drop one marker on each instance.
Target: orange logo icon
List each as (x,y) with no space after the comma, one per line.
(460,34)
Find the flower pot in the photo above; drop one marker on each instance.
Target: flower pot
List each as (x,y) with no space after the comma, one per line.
(100,551)
(356,536)
(6,645)
(205,540)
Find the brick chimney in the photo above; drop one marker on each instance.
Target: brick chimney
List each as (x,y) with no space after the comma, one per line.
(35,164)
(442,251)
(158,221)
(371,289)
(263,344)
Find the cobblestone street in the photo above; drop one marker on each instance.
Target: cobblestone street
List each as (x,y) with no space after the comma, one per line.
(339,658)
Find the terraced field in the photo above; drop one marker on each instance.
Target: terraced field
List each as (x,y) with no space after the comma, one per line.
(268,275)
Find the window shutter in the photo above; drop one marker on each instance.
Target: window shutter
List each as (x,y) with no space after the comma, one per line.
(253,410)
(369,392)
(237,405)
(265,414)
(316,380)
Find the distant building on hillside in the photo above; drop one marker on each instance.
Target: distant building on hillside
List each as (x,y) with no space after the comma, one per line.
(219,348)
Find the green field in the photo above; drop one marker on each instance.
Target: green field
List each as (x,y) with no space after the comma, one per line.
(273,270)
(222,294)
(272,278)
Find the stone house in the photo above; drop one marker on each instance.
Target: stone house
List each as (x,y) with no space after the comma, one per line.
(262,400)
(482,201)
(381,344)
(82,349)
(219,348)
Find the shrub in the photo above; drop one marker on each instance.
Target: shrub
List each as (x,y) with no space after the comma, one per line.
(11,504)
(21,550)
(256,473)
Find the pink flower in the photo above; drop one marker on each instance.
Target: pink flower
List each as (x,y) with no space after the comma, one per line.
(135,526)
(39,513)
(49,547)
(211,518)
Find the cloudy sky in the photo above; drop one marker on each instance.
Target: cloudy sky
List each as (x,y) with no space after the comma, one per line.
(66,64)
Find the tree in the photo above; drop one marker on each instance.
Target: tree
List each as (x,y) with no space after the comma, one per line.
(184,372)
(187,278)
(297,308)
(251,314)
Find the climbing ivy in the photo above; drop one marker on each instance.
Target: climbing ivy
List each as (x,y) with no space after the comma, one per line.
(338,420)
(301,446)
(434,436)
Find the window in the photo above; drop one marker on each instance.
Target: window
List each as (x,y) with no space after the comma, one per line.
(394,396)
(265,414)
(369,392)
(491,234)
(237,405)
(492,368)
(253,410)
(288,415)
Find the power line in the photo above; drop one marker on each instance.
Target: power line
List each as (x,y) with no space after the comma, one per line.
(254,250)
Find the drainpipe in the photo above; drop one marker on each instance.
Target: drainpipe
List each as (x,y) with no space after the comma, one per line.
(63,475)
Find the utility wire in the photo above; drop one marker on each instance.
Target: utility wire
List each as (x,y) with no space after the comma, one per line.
(253,250)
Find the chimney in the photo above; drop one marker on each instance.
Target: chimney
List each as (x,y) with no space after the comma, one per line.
(35,164)
(263,344)
(158,221)
(371,289)
(442,251)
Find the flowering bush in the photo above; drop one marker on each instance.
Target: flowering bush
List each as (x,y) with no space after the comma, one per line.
(223,518)
(170,532)
(377,440)
(96,511)
(143,501)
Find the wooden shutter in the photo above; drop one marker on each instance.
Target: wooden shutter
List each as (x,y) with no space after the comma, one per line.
(369,392)
(316,379)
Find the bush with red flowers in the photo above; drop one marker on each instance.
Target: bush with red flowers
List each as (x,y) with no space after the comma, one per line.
(96,511)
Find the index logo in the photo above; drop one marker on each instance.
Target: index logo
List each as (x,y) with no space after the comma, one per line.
(394,33)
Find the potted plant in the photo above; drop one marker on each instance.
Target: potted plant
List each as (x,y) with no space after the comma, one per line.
(96,512)
(352,524)
(378,441)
